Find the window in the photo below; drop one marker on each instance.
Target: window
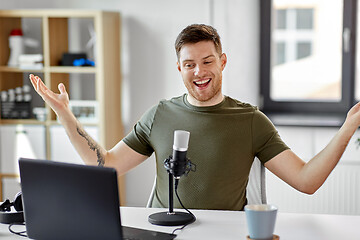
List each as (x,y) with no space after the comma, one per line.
(308,56)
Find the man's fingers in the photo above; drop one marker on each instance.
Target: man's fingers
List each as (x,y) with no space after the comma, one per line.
(38,85)
(42,90)
(33,81)
(62,88)
(46,94)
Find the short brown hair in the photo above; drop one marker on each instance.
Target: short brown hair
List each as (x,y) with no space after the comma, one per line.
(196,33)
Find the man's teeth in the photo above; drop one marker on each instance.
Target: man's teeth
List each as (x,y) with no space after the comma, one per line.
(202,81)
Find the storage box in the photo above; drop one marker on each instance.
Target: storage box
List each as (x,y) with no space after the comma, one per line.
(15,110)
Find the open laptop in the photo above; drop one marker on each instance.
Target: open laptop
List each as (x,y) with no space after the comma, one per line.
(70,201)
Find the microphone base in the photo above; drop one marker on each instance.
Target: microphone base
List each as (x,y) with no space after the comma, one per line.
(171,219)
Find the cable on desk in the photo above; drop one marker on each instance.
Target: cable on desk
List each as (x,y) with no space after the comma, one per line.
(21,233)
(182,205)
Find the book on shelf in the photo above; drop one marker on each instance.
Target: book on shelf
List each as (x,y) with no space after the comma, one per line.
(31,61)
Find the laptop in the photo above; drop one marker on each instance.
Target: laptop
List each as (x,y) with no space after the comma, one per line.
(71,201)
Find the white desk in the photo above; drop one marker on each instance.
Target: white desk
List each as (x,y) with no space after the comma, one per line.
(229,225)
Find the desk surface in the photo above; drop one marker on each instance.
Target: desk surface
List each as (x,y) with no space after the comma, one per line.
(230,225)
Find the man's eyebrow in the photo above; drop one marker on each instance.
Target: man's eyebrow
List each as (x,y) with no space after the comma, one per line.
(191,60)
(211,55)
(187,60)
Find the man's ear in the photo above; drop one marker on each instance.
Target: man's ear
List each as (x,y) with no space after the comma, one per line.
(223,59)
(178,66)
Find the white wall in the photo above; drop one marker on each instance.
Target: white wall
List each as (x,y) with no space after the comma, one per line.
(149,29)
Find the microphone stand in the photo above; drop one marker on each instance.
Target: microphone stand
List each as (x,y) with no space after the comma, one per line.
(171,193)
(171,218)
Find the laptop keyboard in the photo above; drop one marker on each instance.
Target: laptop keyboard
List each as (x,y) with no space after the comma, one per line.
(130,238)
(130,233)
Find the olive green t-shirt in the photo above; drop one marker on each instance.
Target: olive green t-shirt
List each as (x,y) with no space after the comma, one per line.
(224,140)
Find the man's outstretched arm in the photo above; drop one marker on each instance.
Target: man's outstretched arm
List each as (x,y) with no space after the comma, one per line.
(308,177)
(121,157)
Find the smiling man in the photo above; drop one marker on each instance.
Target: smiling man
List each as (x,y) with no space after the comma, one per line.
(201,66)
(226,134)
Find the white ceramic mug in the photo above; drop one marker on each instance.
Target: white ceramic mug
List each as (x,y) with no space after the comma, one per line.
(261,220)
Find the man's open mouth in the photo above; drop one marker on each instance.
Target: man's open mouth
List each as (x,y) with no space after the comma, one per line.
(202,83)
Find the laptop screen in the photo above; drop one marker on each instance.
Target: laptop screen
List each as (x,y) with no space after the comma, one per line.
(68,201)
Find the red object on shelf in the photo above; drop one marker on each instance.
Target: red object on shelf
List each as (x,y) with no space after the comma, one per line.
(16,32)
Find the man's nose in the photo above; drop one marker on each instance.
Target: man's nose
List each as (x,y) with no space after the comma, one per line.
(199,70)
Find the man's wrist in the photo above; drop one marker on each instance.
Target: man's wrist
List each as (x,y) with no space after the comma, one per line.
(66,117)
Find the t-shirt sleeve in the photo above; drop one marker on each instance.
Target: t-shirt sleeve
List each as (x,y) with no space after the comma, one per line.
(139,138)
(266,139)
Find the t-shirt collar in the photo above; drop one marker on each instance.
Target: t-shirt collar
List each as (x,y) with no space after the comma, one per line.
(207,108)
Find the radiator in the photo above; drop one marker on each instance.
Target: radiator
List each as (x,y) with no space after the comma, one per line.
(340,194)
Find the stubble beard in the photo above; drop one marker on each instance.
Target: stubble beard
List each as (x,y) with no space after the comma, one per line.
(214,91)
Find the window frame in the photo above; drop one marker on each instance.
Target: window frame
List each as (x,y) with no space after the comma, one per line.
(268,105)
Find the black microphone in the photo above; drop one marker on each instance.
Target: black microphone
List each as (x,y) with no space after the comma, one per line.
(178,164)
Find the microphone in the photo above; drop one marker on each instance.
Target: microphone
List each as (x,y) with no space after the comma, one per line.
(176,165)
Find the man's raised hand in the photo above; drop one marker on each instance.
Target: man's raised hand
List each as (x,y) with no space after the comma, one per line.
(59,102)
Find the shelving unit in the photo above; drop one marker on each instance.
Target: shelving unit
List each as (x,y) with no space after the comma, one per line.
(55,41)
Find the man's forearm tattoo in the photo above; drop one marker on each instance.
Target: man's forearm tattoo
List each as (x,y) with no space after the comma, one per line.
(93,145)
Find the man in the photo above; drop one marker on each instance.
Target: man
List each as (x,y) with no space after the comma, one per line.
(226,134)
